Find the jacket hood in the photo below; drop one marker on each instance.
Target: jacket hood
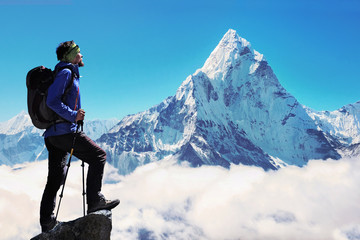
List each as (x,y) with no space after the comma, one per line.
(74,68)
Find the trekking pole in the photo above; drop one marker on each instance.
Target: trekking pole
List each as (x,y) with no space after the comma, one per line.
(83,193)
(81,123)
(67,170)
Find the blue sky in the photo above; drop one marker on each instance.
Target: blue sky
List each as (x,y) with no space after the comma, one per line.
(138,52)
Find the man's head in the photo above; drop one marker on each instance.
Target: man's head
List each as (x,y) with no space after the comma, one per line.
(69,52)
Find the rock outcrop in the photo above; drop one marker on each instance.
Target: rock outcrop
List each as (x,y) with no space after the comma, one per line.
(95,226)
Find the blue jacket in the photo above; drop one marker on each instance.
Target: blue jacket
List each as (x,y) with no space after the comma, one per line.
(65,108)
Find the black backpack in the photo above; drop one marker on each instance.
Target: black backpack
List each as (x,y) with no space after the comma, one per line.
(38,80)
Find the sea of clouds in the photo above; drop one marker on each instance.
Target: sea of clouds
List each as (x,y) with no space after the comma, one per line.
(164,200)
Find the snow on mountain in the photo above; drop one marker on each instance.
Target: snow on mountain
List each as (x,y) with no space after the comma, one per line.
(21,142)
(342,126)
(19,123)
(232,110)
(260,106)
(95,128)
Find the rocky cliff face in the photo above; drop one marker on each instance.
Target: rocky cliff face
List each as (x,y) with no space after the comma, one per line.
(95,226)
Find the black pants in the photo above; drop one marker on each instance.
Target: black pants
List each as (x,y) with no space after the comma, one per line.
(84,149)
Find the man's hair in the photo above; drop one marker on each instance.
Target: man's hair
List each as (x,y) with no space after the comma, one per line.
(63,48)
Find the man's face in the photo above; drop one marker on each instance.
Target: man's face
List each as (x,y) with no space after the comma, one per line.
(79,60)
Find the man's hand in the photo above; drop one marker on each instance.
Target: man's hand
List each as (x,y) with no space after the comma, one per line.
(80,115)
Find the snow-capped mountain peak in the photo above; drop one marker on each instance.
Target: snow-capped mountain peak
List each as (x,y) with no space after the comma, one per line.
(232,110)
(16,124)
(231,50)
(343,124)
(231,40)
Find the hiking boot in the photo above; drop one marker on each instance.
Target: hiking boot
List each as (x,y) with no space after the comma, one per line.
(50,225)
(103,204)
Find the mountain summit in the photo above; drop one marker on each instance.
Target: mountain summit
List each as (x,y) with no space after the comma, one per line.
(230,48)
(232,110)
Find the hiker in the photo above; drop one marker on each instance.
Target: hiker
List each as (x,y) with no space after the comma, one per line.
(59,138)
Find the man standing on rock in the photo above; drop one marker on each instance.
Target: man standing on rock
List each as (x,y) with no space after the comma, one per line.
(64,99)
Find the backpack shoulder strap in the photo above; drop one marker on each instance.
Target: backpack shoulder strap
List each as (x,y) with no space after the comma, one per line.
(73,75)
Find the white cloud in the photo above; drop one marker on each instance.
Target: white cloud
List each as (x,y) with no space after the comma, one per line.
(166,201)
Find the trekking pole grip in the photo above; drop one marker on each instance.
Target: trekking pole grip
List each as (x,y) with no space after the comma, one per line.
(80,123)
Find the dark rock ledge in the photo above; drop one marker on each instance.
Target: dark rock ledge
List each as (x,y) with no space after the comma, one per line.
(95,226)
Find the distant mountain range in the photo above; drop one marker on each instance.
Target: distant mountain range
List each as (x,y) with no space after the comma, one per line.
(232,110)
(21,142)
